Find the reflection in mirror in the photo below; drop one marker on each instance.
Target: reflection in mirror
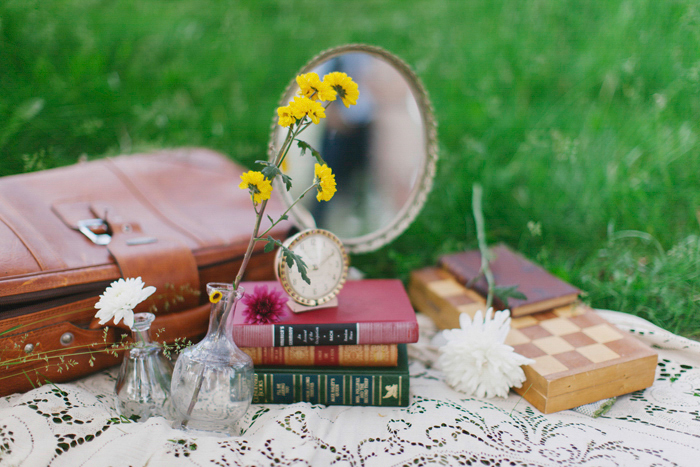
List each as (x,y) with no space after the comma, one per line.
(380,150)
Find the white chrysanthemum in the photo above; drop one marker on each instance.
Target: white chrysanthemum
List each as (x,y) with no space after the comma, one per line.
(119,300)
(475,358)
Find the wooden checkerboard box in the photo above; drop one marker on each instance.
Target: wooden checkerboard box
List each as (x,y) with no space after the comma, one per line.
(579,357)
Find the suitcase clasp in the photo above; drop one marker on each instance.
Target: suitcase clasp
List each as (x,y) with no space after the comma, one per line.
(96,230)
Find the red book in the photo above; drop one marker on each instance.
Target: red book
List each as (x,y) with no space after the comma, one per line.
(373,311)
(543,290)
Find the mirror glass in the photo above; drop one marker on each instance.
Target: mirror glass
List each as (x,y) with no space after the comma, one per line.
(382,150)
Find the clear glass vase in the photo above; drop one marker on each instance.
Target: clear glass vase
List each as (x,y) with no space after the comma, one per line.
(212,384)
(143,384)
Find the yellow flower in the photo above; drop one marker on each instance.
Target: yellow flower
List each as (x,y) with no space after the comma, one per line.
(260,187)
(326,182)
(344,86)
(215,296)
(303,106)
(286,116)
(311,86)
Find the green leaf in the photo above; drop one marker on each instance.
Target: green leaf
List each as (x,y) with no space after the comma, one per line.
(270,172)
(506,292)
(271,239)
(271,243)
(287,180)
(304,146)
(291,259)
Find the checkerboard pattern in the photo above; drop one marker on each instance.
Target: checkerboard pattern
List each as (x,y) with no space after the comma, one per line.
(436,293)
(570,340)
(579,357)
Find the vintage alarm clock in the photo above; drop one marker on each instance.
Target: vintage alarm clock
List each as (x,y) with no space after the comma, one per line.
(326,265)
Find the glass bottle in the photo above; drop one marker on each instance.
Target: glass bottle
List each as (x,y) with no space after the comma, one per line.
(143,384)
(212,385)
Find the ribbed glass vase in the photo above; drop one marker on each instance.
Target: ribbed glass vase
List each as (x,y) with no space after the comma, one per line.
(143,384)
(212,384)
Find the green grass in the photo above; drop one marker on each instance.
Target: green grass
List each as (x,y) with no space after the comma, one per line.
(579,118)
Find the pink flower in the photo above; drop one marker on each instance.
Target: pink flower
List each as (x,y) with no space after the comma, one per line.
(265,305)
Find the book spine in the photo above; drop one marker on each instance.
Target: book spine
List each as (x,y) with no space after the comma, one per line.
(314,334)
(325,355)
(289,335)
(351,388)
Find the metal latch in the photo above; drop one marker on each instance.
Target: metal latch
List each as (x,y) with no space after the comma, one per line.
(96,230)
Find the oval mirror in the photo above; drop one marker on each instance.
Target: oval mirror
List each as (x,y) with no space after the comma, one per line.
(382,151)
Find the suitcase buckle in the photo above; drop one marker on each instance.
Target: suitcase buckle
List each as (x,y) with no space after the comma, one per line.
(96,230)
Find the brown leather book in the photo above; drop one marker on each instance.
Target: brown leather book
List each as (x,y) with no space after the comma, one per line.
(326,355)
(543,291)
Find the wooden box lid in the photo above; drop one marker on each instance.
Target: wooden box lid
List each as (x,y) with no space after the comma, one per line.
(579,357)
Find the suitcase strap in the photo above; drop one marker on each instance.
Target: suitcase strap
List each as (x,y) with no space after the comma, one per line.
(163,262)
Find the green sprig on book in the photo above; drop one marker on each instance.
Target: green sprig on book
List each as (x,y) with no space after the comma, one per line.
(502,292)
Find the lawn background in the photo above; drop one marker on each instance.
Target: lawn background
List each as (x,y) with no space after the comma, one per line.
(579,118)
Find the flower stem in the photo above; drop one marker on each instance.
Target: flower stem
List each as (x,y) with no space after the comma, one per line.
(251,243)
(291,134)
(481,237)
(259,213)
(285,147)
(260,237)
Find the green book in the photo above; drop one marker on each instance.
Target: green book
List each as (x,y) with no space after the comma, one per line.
(334,385)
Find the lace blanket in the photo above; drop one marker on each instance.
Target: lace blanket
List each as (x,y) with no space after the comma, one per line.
(76,425)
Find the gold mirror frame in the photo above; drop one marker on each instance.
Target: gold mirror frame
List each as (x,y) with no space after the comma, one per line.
(424,180)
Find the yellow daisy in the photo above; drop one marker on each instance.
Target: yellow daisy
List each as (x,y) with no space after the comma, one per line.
(311,86)
(326,182)
(215,296)
(286,116)
(260,188)
(344,86)
(303,106)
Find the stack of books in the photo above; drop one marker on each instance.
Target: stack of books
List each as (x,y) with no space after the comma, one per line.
(352,354)
(579,357)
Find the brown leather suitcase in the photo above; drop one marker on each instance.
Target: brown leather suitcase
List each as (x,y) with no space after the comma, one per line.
(175,218)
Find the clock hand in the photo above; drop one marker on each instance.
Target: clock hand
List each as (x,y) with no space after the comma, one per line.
(326,258)
(312,264)
(319,251)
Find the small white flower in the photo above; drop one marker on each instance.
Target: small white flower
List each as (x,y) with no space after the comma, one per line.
(119,300)
(475,358)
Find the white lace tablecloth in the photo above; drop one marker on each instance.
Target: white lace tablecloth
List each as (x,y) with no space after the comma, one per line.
(75,425)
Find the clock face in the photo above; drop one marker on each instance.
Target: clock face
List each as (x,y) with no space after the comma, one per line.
(326,265)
